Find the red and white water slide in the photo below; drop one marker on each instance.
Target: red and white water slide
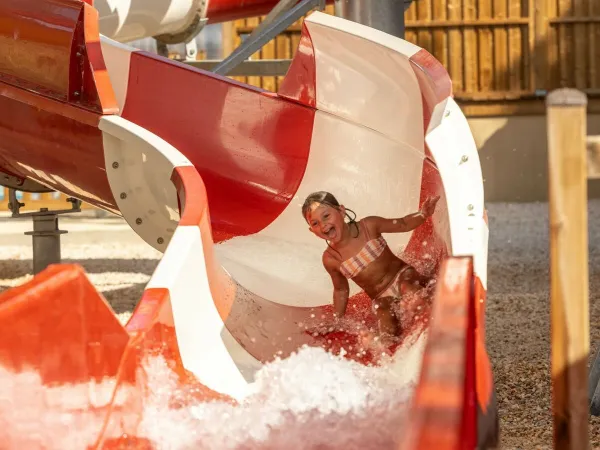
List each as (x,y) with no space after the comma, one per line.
(212,173)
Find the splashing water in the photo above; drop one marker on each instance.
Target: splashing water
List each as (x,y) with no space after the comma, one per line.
(312,399)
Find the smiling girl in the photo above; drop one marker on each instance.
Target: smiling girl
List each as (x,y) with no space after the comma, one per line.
(358,251)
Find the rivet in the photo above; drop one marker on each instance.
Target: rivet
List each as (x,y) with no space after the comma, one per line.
(115,165)
(138,221)
(76,94)
(470,207)
(160,240)
(78,54)
(447,113)
(123,195)
(464,158)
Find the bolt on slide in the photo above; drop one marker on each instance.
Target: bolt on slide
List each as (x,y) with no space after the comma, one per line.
(213,173)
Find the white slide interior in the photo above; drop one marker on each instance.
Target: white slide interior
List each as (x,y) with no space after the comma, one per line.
(367,149)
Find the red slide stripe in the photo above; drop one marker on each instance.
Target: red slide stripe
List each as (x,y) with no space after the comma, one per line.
(250,148)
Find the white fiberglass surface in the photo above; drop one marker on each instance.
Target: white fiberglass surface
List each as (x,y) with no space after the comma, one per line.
(128,20)
(367,83)
(366,171)
(117,58)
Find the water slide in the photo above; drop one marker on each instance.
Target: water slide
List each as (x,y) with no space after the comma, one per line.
(212,173)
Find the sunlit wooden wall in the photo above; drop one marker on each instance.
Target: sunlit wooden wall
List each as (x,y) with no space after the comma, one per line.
(500,53)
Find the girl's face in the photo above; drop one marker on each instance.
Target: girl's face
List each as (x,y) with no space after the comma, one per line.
(326,222)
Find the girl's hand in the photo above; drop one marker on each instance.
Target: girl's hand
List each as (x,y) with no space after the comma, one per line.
(429,206)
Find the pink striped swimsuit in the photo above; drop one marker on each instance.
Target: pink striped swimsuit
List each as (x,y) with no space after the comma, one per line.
(369,253)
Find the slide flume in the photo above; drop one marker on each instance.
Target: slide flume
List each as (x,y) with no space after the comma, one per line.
(212,173)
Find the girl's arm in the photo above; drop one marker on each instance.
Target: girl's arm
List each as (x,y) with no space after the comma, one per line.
(341,287)
(406,223)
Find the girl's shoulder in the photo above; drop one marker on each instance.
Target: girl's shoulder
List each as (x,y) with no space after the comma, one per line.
(370,224)
(330,261)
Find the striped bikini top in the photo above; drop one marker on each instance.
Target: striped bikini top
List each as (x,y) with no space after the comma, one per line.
(369,253)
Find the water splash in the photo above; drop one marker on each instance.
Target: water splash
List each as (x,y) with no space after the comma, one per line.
(312,399)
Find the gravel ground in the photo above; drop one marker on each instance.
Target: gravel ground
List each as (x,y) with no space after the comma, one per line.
(120,265)
(518,319)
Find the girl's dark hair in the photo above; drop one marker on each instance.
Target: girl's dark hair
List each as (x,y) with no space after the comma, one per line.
(327,198)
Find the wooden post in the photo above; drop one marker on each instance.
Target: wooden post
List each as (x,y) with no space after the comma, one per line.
(566,122)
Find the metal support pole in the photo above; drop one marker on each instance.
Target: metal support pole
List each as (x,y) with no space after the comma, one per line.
(383,15)
(46,240)
(45,234)
(276,25)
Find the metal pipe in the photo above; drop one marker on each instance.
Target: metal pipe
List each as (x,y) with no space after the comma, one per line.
(383,15)
(256,41)
(46,240)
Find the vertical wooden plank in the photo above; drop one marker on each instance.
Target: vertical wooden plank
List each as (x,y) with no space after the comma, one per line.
(594,45)
(268,52)
(410,16)
(500,48)
(569,291)
(580,39)
(424,38)
(455,48)
(295,41)
(283,50)
(440,35)
(540,44)
(486,49)
(237,40)
(471,66)
(515,48)
(227,38)
(529,63)
(566,49)
(252,23)
(553,50)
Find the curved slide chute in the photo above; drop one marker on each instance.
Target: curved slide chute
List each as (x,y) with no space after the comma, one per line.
(212,172)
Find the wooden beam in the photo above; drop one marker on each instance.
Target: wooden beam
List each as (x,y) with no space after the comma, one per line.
(566,121)
(574,20)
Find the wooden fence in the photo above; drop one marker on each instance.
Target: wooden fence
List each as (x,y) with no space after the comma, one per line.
(501,54)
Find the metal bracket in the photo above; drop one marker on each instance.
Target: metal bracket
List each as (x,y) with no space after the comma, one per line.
(191,49)
(186,36)
(15,206)
(278,20)
(22,184)
(190,32)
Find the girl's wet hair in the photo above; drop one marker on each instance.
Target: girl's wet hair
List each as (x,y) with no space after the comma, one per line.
(327,198)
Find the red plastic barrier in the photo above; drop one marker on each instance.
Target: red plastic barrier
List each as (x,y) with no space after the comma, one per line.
(59,326)
(443,415)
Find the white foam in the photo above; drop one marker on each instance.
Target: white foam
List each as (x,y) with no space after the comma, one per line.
(309,400)
(34,416)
